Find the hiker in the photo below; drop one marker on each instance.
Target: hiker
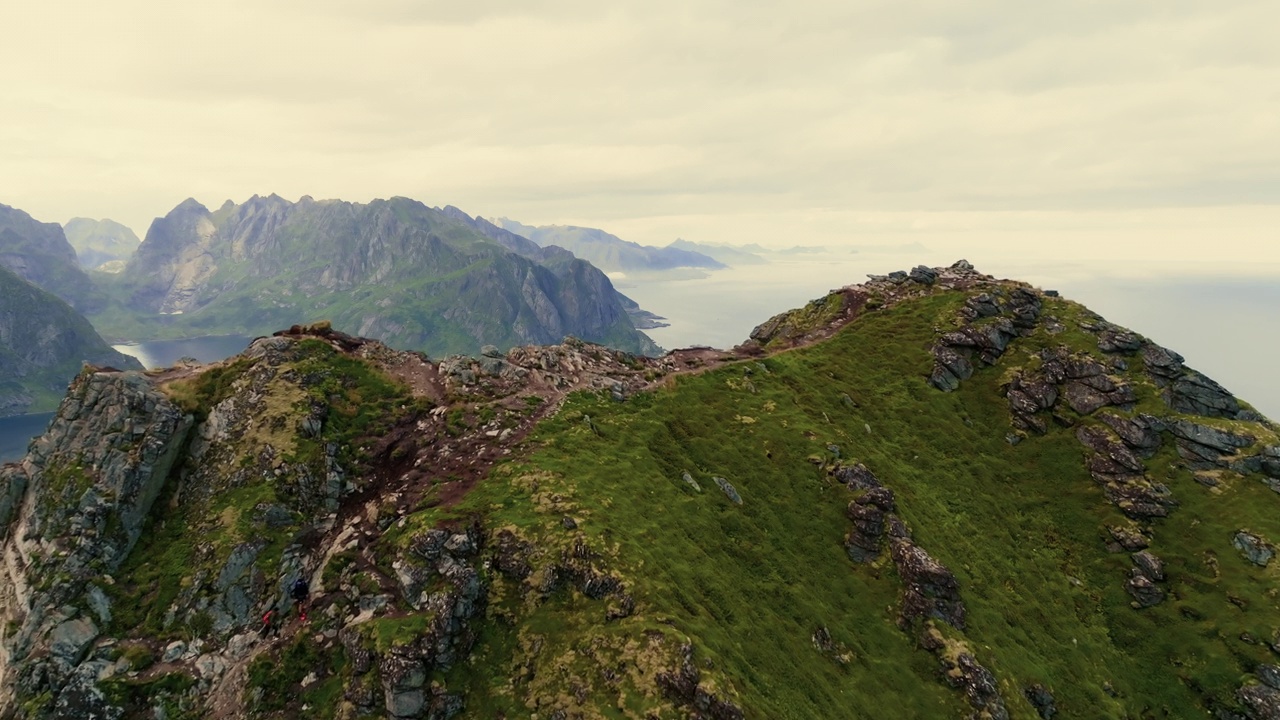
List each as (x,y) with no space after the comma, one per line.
(300,591)
(270,624)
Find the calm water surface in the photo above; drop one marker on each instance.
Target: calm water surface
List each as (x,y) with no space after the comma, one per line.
(164,353)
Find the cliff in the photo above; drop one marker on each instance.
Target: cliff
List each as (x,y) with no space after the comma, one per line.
(933,494)
(396,270)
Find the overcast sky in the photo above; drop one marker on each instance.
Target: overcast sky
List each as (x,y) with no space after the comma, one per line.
(1111,129)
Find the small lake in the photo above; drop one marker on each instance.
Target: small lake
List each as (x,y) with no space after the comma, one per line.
(16,432)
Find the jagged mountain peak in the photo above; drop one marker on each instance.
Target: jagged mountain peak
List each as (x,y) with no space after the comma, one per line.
(395,269)
(932,494)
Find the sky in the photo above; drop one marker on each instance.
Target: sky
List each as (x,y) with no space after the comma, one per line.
(1141,134)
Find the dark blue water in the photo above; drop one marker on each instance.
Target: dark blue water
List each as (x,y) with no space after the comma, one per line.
(16,432)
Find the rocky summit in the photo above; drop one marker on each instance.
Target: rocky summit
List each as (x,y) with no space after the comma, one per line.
(935,494)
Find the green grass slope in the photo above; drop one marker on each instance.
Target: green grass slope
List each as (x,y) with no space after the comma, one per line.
(1022,527)
(600,570)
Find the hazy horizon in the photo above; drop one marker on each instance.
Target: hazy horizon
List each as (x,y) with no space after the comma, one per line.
(1052,132)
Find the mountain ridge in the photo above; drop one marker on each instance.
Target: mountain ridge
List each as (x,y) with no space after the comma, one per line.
(396,269)
(610,252)
(43,342)
(934,494)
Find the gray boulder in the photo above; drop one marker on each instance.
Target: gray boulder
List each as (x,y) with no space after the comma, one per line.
(923,275)
(1255,548)
(1149,565)
(70,640)
(729,490)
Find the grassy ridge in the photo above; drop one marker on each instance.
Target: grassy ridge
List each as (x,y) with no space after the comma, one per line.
(1021,526)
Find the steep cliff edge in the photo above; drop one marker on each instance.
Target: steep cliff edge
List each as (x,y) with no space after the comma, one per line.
(934,494)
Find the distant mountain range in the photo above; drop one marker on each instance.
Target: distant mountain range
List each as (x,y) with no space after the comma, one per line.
(397,270)
(98,242)
(610,252)
(40,254)
(730,255)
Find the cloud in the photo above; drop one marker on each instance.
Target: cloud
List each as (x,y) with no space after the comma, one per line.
(641,114)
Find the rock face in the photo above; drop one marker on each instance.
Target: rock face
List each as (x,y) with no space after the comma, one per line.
(89,483)
(869,514)
(394,270)
(994,320)
(682,685)
(43,344)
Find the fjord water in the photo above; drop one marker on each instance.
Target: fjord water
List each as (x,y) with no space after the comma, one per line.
(163,353)
(16,432)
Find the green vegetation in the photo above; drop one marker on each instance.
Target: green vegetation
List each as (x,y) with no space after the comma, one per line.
(199,394)
(782,623)
(276,676)
(138,697)
(1022,527)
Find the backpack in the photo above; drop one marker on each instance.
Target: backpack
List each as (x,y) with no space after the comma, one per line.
(300,588)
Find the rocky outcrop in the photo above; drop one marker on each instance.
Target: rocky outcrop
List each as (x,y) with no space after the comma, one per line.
(869,513)
(440,579)
(1263,699)
(1204,447)
(1042,700)
(929,589)
(961,670)
(1188,391)
(1121,472)
(90,482)
(993,320)
(1083,383)
(682,686)
(1254,548)
(1148,570)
